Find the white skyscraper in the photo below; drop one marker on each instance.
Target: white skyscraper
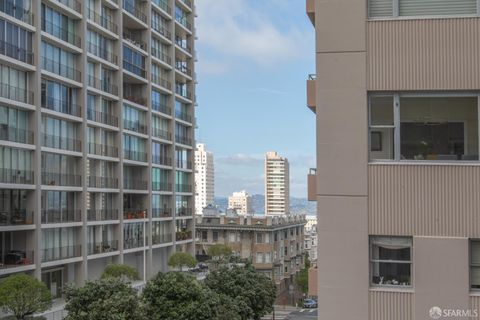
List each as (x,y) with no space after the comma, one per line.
(277,184)
(241,202)
(204,178)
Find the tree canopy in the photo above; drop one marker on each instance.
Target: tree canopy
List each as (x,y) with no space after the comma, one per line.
(121,271)
(219,251)
(182,259)
(179,296)
(253,292)
(23,295)
(105,299)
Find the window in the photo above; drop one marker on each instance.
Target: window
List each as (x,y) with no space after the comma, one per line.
(215,236)
(133,61)
(390,261)
(204,236)
(259,237)
(259,257)
(475,264)
(423,128)
(402,8)
(59,25)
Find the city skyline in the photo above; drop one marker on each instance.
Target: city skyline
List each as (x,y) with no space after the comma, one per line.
(266,107)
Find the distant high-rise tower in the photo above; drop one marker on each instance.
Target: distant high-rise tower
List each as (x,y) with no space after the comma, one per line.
(277,184)
(241,202)
(204,178)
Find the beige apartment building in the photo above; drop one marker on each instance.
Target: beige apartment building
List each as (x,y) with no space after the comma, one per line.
(277,184)
(274,244)
(241,202)
(96,136)
(204,178)
(396,98)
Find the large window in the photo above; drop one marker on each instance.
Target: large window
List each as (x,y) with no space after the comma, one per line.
(133,61)
(15,42)
(475,264)
(59,25)
(402,8)
(423,128)
(60,98)
(59,61)
(390,261)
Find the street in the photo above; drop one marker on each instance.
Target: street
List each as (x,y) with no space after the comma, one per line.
(292,313)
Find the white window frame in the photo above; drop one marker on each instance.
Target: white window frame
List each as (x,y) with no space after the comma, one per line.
(396,124)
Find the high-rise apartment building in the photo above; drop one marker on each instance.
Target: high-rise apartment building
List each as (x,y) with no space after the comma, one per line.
(96,136)
(241,202)
(204,178)
(396,97)
(277,184)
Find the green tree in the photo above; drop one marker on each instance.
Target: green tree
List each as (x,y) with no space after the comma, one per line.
(23,295)
(301,279)
(182,259)
(104,299)
(253,292)
(220,251)
(179,296)
(121,271)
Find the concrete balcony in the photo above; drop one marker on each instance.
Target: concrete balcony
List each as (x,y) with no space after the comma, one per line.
(312,185)
(311,93)
(310,7)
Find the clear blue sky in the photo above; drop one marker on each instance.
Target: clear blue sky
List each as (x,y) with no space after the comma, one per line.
(253,59)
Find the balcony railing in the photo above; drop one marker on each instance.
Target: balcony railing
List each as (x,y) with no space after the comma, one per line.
(135,99)
(161,186)
(183,69)
(184,212)
(16,134)
(61,33)
(61,216)
(134,39)
(130,214)
(179,187)
(135,11)
(103,247)
(102,117)
(161,29)
(102,85)
(161,133)
(58,142)
(101,52)
(16,217)
(183,164)
(134,184)
(16,52)
(161,81)
(161,212)
(16,176)
(183,140)
(182,43)
(181,90)
(102,214)
(102,21)
(102,150)
(16,258)
(135,155)
(161,107)
(161,55)
(102,182)
(183,116)
(182,19)
(161,238)
(133,243)
(61,179)
(183,235)
(162,160)
(133,68)
(61,253)
(61,69)
(61,106)
(14,9)
(72,4)
(8,91)
(163,5)
(135,126)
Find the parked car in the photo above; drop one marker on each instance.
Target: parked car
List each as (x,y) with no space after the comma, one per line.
(309,303)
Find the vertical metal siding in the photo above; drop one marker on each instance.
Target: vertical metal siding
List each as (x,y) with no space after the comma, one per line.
(423,54)
(424,200)
(385,305)
(475,305)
